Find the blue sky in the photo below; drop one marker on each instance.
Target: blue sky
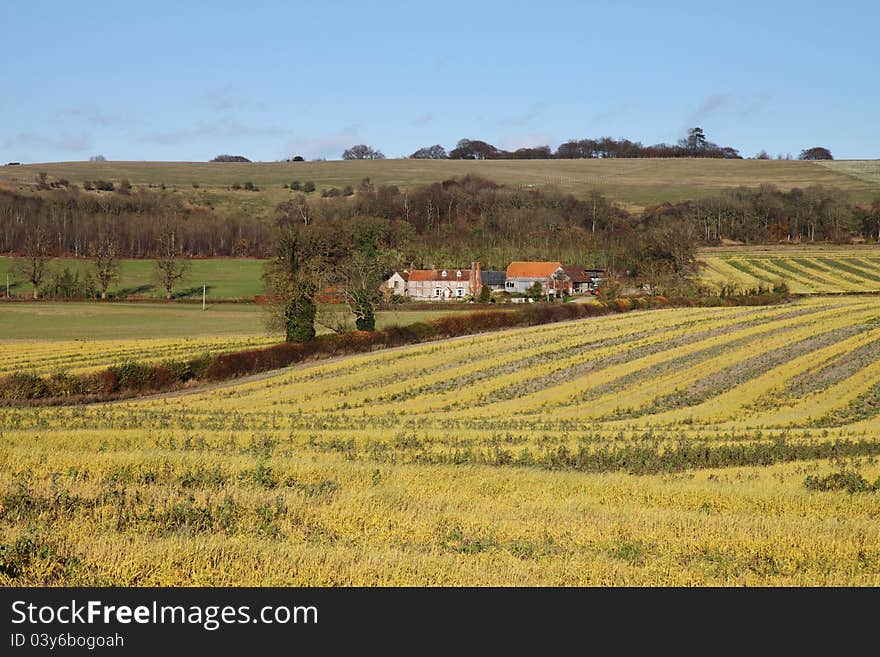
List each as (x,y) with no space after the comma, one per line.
(268,80)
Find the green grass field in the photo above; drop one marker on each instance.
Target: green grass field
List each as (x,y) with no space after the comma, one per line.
(103,321)
(808,269)
(225,278)
(632,182)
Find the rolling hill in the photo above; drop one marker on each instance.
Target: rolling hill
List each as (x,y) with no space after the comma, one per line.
(635,183)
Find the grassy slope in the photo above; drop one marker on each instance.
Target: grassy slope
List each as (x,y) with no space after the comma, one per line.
(118,321)
(635,183)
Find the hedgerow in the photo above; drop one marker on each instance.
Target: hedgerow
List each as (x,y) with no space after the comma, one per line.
(132,379)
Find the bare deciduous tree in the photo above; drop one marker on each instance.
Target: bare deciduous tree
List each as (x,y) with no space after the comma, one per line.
(105,256)
(170,263)
(37,252)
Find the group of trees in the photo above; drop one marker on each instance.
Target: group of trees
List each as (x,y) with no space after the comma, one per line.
(362,152)
(72,220)
(768,214)
(815,153)
(230,158)
(346,258)
(695,144)
(170,264)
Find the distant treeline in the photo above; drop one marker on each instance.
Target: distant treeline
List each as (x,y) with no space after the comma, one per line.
(694,145)
(75,220)
(472,218)
(454,222)
(769,215)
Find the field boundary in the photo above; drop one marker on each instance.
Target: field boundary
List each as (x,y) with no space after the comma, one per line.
(128,380)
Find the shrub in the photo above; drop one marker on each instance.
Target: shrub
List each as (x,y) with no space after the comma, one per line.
(131,375)
(21,385)
(849,480)
(296,186)
(63,384)
(308,187)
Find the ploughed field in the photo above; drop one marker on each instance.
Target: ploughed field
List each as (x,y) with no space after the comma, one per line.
(667,447)
(810,269)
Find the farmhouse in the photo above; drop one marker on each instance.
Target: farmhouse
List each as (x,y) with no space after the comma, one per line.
(584,280)
(443,284)
(396,283)
(520,276)
(494,280)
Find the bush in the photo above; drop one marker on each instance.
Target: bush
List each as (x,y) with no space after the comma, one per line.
(63,384)
(308,187)
(131,375)
(296,186)
(849,480)
(23,386)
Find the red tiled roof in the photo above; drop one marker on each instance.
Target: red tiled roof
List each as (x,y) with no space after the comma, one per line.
(576,274)
(519,269)
(437,275)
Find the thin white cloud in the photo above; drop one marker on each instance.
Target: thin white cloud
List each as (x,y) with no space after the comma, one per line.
(87,114)
(228,100)
(708,107)
(611,113)
(742,105)
(755,103)
(424,119)
(224,129)
(532,113)
(63,142)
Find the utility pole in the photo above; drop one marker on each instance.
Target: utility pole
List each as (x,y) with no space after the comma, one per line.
(204,291)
